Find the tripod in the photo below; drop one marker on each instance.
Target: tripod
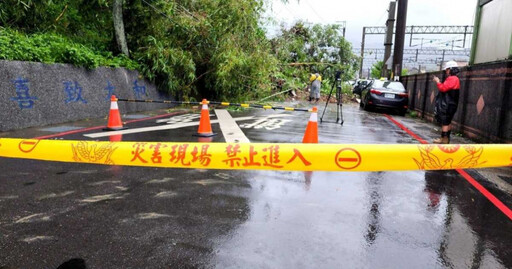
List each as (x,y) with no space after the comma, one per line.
(339,111)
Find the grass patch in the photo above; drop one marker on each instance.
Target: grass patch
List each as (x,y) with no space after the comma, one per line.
(51,48)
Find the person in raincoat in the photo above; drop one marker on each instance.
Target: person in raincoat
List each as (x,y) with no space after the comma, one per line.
(316,83)
(447,101)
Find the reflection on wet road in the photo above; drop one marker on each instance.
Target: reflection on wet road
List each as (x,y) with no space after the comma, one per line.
(132,217)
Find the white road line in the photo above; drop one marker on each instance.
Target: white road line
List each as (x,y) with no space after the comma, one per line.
(230,130)
(180,118)
(156,128)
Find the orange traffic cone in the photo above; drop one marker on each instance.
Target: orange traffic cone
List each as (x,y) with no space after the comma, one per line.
(114,118)
(205,128)
(311,134)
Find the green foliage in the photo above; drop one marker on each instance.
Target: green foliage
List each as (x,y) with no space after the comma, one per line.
(51,48)
(377,69)
(203,48)
(171,67)
(87,22)
(303,50)
(189,48)
(413,114)
(346,89)
(192,49)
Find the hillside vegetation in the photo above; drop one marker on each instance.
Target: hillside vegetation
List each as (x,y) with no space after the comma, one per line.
(192,49)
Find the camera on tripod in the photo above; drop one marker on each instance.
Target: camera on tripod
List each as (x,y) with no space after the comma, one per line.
(335,84)
(337,75)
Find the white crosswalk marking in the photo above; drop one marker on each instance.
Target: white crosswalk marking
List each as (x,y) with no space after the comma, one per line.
(232,133)
(156,128)
(271,119)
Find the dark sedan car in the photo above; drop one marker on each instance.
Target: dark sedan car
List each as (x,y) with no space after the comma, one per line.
(385,94)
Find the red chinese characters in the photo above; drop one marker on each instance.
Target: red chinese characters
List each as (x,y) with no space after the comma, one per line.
(203,157)
(231,152)
(272,159)
(297,154)
(139,149)
(250,161)
(181,154)
(156,157)
(268,157)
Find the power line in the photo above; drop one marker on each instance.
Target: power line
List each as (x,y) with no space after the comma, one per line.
(381,16)
(159,11)
(424,51)
(314,11)
(424,29)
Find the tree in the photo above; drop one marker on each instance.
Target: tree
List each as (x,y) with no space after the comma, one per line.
(117,15)
(377,69)
(302,50)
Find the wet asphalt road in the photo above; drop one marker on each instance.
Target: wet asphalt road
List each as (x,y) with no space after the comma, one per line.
(131,217)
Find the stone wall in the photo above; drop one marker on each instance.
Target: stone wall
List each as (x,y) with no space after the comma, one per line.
(485,104)
(37,94)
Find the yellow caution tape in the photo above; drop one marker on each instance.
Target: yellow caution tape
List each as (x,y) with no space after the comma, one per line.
(263,156)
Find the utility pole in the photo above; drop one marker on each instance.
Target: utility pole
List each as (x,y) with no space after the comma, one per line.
(362,54)
(343,25)
(390,24)
(399,37)
(442,61)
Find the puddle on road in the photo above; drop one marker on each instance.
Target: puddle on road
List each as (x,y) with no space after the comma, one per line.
(37,238)
(166,194)
(55,195)
(99,198)
(84,171)
(151,215)
(9,197)
(158,181)
(224,176)
(206,182)
(34,218)
(122,188)
(105,182)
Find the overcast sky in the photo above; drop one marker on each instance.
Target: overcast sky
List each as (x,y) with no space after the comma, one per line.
(359,13)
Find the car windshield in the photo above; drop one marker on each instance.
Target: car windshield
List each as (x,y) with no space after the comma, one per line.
(390,85)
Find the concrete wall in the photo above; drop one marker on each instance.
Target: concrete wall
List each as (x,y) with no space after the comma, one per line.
(485,104)
(36,94)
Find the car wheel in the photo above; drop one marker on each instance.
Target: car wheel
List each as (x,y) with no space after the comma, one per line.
(367,106)
(402,112)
